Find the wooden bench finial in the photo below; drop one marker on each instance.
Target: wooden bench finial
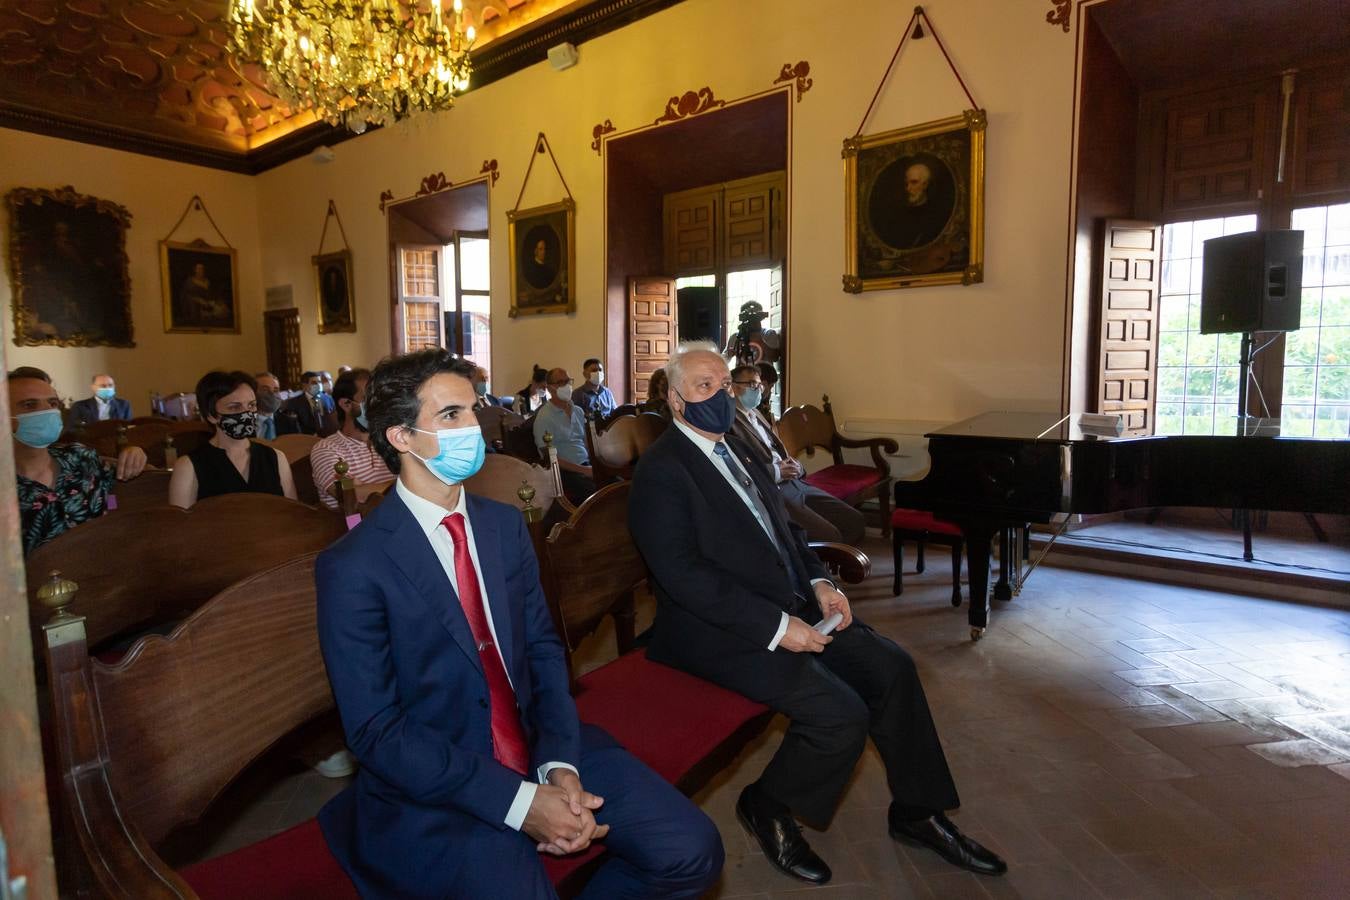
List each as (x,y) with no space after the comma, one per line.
(341,468)
(170,452)
(122,439)
(56,594)
(526,494)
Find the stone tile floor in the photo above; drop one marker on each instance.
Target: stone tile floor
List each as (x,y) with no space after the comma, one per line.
(1111,738)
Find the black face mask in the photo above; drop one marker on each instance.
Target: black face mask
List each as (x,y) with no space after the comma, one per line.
(268,402)
(713,415)
(240,426)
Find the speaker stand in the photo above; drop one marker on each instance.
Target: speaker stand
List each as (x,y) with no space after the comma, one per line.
(1244,376)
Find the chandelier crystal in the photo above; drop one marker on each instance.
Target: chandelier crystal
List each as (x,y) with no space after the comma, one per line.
(356,61)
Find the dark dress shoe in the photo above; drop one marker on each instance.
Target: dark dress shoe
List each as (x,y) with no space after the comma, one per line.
(938,833)
(780,837)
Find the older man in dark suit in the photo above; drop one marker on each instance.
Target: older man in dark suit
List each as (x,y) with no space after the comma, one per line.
(738,593)
(103,405)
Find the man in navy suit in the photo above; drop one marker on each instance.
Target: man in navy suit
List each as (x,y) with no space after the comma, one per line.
(104,404)
(738,592)
(453,691)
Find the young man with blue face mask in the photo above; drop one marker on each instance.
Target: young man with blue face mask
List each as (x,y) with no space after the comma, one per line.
(452,687)
(59,485)
(739,595)
(102,406)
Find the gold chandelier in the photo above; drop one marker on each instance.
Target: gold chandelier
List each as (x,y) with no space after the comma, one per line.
(356,61)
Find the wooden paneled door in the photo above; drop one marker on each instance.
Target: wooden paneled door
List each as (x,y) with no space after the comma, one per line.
(651,330)
(691,230)
(753,229)
(281,329)
(1127,370)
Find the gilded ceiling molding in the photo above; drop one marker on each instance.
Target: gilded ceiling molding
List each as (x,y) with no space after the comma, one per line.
(691,103)
(1060,14)
(434,182)
(797,73)
(490,168)
(600,131)
(385,198)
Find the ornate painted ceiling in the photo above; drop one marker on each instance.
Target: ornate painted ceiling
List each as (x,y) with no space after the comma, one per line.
(154,75)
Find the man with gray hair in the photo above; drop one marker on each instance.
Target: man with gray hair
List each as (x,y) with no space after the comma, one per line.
(742,601)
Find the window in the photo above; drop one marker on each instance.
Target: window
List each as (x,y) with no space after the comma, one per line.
(1198,373)
(469,311)
(1317,357)
(420,297)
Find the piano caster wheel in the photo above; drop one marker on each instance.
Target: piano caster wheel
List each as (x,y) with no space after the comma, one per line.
(976,633)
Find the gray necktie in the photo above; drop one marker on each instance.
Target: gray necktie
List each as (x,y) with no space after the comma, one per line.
(757,502)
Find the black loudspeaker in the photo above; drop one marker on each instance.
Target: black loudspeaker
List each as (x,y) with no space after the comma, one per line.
(1253,282)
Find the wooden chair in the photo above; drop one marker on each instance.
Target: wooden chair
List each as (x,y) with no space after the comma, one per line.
(623,409)
(492,420)
(614,450)
(804,428)
(153,566)
(685,728)
(295,446)
(518,440)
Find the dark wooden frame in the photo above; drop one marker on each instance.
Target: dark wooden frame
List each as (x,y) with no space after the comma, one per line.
(323,263)
(32,254)
(560,296)
(167,252)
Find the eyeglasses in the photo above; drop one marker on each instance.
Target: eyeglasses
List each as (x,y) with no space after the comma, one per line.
(749,383)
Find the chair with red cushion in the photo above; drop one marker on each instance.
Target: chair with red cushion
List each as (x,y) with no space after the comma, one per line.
(805,428)
(923,527)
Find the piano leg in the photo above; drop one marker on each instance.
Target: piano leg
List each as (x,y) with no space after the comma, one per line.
(1007,553)
(978,539)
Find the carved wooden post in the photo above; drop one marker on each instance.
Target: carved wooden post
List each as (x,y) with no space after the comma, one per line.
(170,452)
(346,488)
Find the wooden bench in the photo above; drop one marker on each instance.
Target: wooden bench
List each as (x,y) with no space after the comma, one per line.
(153,566)
(805,428)
(615,445)
(145,491)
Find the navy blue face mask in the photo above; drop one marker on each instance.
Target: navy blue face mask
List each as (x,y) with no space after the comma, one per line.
(713,415)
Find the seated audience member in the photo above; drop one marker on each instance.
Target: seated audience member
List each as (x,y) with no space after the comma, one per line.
(351,442)
(269,401)
(564,420)
(657,387)
(103,405)
(482,399)
(231,462)
(534,395)
(452,688)
(326,398)
(304,414)
(738,593)
(595,400)
(823,516)
(769,375)
(59,485)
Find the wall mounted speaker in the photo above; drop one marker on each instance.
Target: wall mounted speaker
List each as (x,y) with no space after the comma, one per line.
(562,56)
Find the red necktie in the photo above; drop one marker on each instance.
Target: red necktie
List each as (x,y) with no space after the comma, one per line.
(508,736)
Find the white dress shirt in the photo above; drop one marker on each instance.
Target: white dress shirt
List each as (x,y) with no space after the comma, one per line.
(758,424)
(429,517)
(709,448)
(104,409)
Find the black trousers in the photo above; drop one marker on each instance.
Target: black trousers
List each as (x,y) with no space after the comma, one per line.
(863,684)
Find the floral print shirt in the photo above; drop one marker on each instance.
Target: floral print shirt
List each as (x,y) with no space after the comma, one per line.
(80,493)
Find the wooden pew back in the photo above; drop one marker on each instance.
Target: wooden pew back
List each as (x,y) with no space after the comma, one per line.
(145,491)
(614,451)
(155,565)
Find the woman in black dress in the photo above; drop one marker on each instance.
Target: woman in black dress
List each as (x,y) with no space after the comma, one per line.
(231,462)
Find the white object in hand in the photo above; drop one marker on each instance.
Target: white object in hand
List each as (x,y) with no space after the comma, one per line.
(830,624)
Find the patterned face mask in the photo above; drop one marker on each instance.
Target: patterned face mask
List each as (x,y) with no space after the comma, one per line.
(240,426)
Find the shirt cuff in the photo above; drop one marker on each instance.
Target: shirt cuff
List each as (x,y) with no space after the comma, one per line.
(515,816)
(547,767)
(816,581)
(778,635)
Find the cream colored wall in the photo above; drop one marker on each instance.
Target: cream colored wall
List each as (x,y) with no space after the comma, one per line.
(155,192)
(931,353)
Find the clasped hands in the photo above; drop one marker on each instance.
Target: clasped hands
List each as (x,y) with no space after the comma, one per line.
(562,817)
(803,638)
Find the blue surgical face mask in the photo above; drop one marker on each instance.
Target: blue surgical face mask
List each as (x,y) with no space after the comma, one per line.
(460,456)
(751,397)
(713,415)
(40,429)
(314,390)
(361,417)
(105,393)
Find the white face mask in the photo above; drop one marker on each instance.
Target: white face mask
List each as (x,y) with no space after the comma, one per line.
(564,393)
(596,377)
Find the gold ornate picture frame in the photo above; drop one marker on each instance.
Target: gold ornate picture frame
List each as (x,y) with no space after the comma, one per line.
(543,259)
(68,269)
(200,284)
(914,201)
(333,292)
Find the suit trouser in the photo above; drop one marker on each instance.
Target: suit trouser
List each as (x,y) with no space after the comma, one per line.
(822,516)
(862,684)
(659,845)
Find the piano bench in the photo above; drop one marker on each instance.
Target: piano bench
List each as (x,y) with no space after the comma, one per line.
(923,527)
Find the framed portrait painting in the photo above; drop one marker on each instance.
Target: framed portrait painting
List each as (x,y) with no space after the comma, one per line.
(333,284)
(914,202)
(543,257)
(68,269)
(201,288)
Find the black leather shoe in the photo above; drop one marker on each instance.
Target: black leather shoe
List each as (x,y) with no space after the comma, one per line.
(780,837)
(938,833)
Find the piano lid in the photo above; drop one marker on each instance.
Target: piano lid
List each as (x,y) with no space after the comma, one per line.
(1048,427)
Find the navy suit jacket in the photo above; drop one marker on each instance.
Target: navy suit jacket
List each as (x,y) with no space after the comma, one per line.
(412,696)
(86,410)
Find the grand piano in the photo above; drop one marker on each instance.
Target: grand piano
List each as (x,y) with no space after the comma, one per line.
(996,472)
